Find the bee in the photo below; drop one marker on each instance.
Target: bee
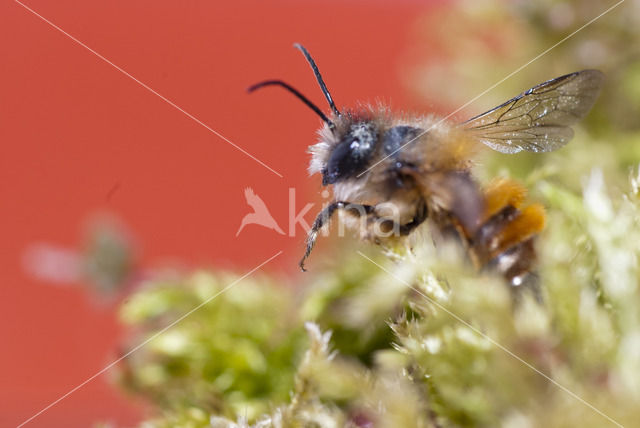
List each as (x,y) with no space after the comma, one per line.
(392,172)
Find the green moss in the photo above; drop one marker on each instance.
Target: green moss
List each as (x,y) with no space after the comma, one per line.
(236,353)
(441,344)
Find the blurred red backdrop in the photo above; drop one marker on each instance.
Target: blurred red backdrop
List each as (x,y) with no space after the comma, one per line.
(73,129)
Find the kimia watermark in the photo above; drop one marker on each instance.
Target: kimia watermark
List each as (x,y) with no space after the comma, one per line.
(384,222)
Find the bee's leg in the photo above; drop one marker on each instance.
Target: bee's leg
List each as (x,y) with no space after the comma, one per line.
(518,267)
(322,218)
(418,219)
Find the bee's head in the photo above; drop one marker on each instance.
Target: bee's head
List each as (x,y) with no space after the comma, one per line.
(353,141)
(348,140)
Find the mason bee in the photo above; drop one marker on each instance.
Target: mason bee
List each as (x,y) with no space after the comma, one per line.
(392,172)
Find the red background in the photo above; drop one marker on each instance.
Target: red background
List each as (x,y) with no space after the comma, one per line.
(72,127)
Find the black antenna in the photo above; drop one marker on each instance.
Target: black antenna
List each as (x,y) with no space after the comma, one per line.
(314,67)
(295,92)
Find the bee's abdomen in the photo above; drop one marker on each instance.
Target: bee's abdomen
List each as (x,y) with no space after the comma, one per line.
(504,239)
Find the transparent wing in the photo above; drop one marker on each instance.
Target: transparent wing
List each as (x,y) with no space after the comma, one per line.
(538,120)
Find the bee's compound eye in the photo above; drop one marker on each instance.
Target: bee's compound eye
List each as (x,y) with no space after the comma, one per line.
(351,156)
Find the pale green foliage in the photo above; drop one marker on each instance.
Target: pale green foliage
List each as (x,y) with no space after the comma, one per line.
(445,346)
(235,354)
